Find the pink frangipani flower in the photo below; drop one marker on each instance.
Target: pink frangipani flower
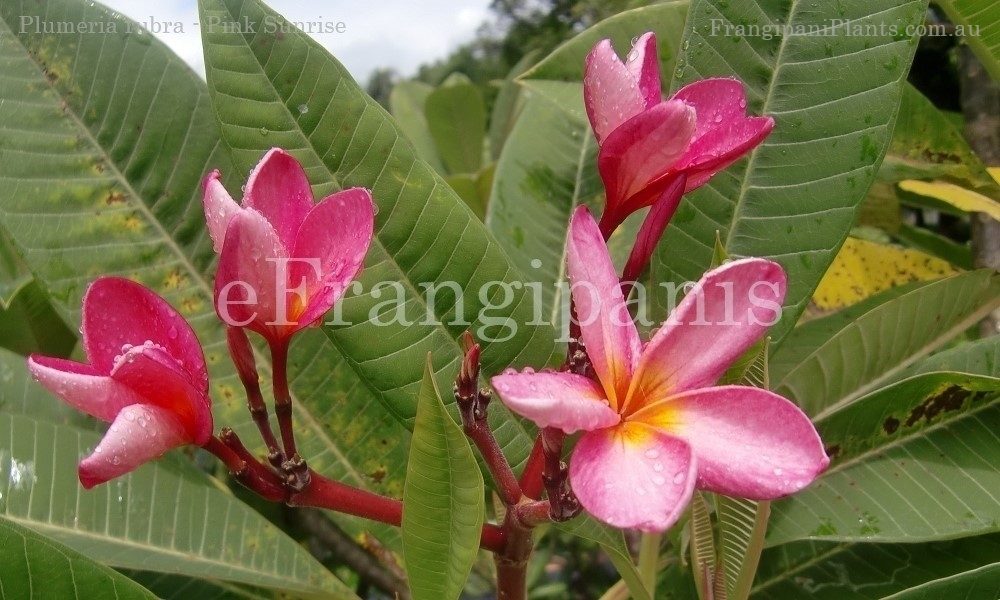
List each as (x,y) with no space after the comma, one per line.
(284,260)
(645,141)
(145,375)
(656,425)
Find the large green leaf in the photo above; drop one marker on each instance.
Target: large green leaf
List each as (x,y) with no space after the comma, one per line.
(980,584)
(37,567)
(456,118)
(28,323)
(834,99)
(871,348)
(980,23)
(443,501)
(926,144)
(853,571)
(167,516)
(424,234)
(406,102)
(106,139)
(981,357)
(913,461)
(507,105)
(176,587)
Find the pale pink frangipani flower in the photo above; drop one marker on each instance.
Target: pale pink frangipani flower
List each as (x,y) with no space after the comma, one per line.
(145,375)
(646,141)
(656,424)
(284,261)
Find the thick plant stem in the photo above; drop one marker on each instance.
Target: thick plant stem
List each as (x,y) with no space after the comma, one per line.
(282,397)
(512,562)
(320,492)
(649,557)
(472,404)
(242,355)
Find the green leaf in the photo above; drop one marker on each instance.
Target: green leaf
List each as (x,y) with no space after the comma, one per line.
(835,571)
(980,584)
(507,106)
(456,118)
(37,567)
(741,523)
(612,541)
(100,172)
(666,19)
(980,357)
(29,323)
(910,462)
(834,99)
(703,551)
(166,516)
(13,272)
(876,344)
(425,234)
(406,103)
(167,586)
(935,244)
(926,144)
(443,501)
(979,21)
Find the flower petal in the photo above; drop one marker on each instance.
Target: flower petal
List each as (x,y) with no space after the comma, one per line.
(749,442)
(246,280)
(638,155)
(644,66)
(720,318)
(336,232)
(564,400)
(279,189)
(161,381)
(608,333)
(139,434)
(715,101)
(219,209)
(610,91)
(633,476)
(722,147)
(724,132)
(82,387)
(119,312)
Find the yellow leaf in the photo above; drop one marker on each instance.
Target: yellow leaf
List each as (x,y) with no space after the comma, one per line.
(957,196)
(864,268)
(994,173)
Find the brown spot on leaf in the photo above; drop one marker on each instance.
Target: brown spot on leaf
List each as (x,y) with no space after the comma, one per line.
(890,425)
(378,474)
(950,399)
(833,451)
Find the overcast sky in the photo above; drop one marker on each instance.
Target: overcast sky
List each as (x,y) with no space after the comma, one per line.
(402,34)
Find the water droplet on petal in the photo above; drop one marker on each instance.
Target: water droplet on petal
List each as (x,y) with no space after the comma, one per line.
(679,477)
(651,453)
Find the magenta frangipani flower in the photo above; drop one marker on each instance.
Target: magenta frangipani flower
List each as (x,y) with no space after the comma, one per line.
(145,375)
(646,142)
(656,425)
(284,260)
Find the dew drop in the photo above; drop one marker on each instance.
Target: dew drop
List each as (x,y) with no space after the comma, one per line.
(651,453)
(303,109)
(659,480)
(679,477)
(658,467)
(778,472)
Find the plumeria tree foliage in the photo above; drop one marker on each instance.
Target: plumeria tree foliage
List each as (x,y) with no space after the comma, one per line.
(608,355)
